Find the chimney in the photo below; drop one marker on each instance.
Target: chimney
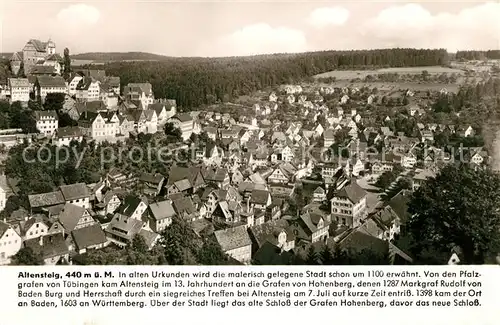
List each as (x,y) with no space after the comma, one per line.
(248,204)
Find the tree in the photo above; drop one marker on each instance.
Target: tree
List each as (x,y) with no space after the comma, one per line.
(27,256)
(211,253)
(173,133)
(460,207)
(67,64)
(54,101)
(385,180)
(21,73)
(312,256)
(138,252)
(65,120)
(326,256)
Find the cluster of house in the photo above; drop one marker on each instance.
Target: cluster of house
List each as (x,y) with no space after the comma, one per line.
(239,185)
(95,100)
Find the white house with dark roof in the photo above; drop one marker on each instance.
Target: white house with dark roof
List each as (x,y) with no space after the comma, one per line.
(349,204)
(160,215)
(65,135)
(89,238)
(122,229)
(10,243)
(185,123)
(19,90)
(142,92)
(236,243)
(34,227)
(49,84)
(133,207)
(47,122)
(165,109)
(73,81)
(77,194)
(88,89)
(311,227)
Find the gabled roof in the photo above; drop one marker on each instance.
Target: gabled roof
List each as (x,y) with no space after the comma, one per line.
(183,117)
(178,173)
(17,56)
(75,191)
(352,191)
(162,210)
(70,215)
(19,82)
(233,238)
(139,87)
(54,57)
(45,114)
(49,81)
(89,236)
(184,206)
(68,132)
(45,199)
(259,197)
(52,245)
(38,45)
(43,70)
(129,205)
(124,226)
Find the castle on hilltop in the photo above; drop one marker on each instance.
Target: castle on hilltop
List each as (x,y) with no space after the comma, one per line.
(37,54)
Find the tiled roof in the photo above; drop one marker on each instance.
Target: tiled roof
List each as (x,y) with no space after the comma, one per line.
(75,191)
(45,114)
(184,205)
(45,199)
(89,236)
(19,82)
(52,246)
(70,215)
(39,45)
(42,69)
(183,117)
(259,197)
(124,226)
(352,191)
(233,238)
(49,81)
(69,132)
(162,210)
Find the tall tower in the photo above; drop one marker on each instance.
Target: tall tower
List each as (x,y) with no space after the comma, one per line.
(51,47)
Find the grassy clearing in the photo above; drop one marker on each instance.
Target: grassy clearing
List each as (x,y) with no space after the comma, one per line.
(352,74)
(395,86)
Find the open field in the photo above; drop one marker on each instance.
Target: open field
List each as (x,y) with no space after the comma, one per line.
(78,62)
(395,86)
(353,74)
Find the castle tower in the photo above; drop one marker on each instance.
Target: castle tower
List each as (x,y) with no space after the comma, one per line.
(51,47)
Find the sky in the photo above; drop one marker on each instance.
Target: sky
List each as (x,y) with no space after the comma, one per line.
(228,28)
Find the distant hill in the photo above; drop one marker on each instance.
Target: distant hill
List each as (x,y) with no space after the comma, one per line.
(118,56)
(5,55)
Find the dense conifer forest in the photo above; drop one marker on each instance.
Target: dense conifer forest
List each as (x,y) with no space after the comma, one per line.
(478,55)
(194,82)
